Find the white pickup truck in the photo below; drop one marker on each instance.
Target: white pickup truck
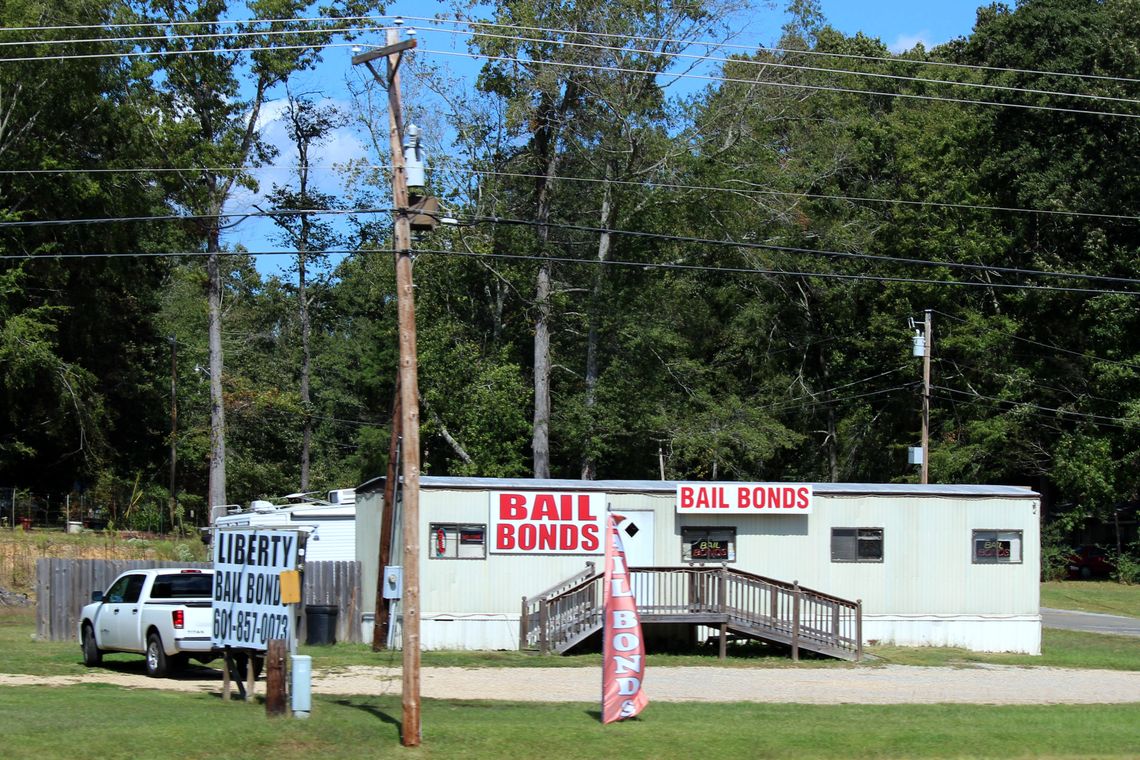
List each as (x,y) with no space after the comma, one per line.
(163,613)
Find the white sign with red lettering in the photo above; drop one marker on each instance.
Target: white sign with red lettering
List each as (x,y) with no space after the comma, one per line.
(744,498)
(537,522)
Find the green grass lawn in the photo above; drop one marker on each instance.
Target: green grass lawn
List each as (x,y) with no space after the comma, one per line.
(110,722)
(22,653)
(1092,596)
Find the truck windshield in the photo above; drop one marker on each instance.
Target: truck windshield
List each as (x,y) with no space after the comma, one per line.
(183,586)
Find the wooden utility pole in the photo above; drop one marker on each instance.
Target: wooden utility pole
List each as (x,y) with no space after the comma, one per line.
(409,385)
(928,336)
(382,620)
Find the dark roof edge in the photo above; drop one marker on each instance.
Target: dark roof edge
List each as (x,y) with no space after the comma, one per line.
(433,482)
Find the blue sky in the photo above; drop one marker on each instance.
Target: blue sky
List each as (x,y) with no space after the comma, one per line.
(900,24)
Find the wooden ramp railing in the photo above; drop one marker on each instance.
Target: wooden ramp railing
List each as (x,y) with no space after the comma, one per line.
(731,600)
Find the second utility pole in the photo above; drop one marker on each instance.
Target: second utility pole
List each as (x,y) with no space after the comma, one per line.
(928,335)
(409,387)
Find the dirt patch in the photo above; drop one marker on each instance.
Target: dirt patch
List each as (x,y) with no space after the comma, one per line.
(891,684)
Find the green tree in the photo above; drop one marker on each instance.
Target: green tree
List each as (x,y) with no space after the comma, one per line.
(209,122)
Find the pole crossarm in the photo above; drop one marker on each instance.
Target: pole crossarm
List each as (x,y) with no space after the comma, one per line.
(396,50)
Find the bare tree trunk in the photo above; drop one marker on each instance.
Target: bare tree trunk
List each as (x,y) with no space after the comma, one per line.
(546,147)
(605,218)
(217,495)
(832,445)
(832,440)
(540,441)
(306,410)
(303,302)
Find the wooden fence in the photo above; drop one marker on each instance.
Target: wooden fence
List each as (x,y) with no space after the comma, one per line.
(63,586)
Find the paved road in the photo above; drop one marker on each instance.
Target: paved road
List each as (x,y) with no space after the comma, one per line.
(1090,621)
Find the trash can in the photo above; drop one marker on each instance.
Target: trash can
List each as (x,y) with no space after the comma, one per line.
(320,623)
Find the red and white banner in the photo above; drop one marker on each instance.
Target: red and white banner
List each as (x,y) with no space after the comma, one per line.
(747,498)
(623,648)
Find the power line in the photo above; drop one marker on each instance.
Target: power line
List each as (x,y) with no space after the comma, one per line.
(815,196)
(807,401)
(82,221)
(813,395)
(563,64)
(946,363)
(647,184)
(789,85)
(173,24)
(599,230)
(810,251)
(187,37)
(766,48)
(800,67)
(145,53)
(643,265)
(1028,408)
(165,169)
(375,19)
(1049,346)
(1026,404)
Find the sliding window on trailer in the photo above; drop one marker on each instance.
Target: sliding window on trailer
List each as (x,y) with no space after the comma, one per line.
(457,541)
(856,544)
(996,547)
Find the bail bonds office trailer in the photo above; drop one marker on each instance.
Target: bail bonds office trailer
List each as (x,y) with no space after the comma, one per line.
(515,563)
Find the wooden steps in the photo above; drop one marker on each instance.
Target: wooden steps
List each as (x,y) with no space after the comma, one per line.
(730,600)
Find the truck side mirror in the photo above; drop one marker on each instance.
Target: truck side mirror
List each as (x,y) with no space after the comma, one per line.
(96,596)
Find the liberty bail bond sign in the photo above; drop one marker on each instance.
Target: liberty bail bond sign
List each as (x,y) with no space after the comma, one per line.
(547,522)
(744,498)
(248,610)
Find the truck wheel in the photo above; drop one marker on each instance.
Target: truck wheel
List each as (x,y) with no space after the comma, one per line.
(156,665)
(92,655)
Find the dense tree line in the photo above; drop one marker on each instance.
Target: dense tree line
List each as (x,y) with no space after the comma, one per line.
(713,284)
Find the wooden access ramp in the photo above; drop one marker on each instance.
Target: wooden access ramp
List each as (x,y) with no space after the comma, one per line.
(732,601)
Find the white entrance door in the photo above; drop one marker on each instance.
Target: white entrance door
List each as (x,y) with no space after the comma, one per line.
(636,532)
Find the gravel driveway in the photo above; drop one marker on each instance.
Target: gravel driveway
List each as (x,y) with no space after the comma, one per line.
(884,684)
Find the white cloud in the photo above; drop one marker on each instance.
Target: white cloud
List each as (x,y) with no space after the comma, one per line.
(905,42)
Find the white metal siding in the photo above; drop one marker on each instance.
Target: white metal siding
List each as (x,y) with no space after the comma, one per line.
(333,539)
(926,589)
(495,585)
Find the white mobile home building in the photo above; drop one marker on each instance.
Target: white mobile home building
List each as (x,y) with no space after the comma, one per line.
(938,565)
(331,528)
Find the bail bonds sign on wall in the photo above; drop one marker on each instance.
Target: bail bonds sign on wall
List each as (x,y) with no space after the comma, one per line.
(543,522)
(248,610)
(744,498)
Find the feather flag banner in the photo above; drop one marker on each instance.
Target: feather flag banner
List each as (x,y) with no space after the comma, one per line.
(623,647)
